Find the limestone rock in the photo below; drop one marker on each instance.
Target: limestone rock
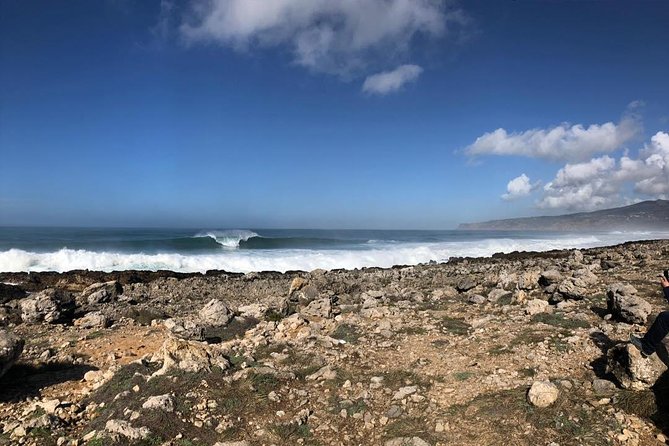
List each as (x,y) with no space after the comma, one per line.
(543,393)
(465,284)
(536,306)
(496,294)
(50,305)
(569,290)
(102,292)
(11,347)
(256,311)
(631,370)
(164,403)
(406,441)
(476,299)
(320,308)
(623,303)
(325,373)
(403,392)
(550,277)
(94,319)
(528,280)
(297,284)
(185,328)
(189,356)
(232,443)
(125,429)
(216,313)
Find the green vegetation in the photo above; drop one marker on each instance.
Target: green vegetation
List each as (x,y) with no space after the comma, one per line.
(559,320)
(346,332)
(454,326)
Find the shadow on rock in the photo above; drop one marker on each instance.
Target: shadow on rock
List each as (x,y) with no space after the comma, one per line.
(604,343)
(27,380)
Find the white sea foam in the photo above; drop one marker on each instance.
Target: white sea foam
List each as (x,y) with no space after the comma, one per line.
(229,238)
(283,260)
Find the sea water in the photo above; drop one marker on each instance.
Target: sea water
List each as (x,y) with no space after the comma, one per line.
(246,250)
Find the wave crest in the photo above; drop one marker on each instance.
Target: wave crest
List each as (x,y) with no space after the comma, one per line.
(230,238)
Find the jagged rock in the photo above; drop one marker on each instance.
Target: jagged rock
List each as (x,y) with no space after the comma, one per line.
(403,392)
(51,306)
(216,313)
(406,441)
(125,429)
(569,290)
(160,402)
(536,306)
(325,373)
(625,305)
(320,308)
(496,294)
(102,292)
(528,280)
(297,284)
(577,256)
(11,347)
(465,284)
(94,319)
(10,292)
(476,299)
(256,311)
(631,370)
(185,328)
(543,393)
(550,277)
(189,356)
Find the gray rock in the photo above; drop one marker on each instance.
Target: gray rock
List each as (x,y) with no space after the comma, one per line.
(626,306)
(631,370)
(476,299)
(164,403)
(496,294)
(465,284)
(216,313)
(94,319)
(11,347)
(125,429)
(102,292)
(536,306)
(51,306)
(394,411)
(550,277)
(185,328)
(528,280)
(603,386)
(10,292)
(569,290)
(320,308)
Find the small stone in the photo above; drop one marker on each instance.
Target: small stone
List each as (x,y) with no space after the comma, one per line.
(160,402)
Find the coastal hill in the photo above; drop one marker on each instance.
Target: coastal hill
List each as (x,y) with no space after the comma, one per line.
(647,215)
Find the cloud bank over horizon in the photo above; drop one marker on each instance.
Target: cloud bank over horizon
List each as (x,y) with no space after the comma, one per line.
(345,38)
(592,177)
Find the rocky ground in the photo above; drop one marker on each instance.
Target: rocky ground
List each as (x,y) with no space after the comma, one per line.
(518,349)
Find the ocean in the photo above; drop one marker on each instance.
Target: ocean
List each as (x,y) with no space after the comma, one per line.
(246,250)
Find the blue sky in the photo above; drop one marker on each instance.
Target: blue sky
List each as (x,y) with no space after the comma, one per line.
(320,114)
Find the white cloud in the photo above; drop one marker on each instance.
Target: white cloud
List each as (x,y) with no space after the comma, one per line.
(390,81)
(604,181)
(339,37)
(564,142)
(519,187)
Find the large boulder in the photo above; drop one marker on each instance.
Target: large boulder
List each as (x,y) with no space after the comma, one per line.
(632,370)
(51,306)
(94,319)
(102,292)
(466,284)
(324,307)
(550,277)
(625,305)
(216,314)
(11,348)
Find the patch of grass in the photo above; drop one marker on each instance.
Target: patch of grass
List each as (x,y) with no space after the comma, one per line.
(527,372)
(399,378)
(97,441)
(347,332)
(499,350)
(454,326)
(559,320)
(273,316)
(264,351)
(291,431)
(440,343)
(149,441)
(463,376)
(410,427)
(641,403)
(263,383)
(94,335)
(559,345)
(412,331)
(44,435)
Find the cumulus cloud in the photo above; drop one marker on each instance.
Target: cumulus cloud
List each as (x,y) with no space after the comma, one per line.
(604,181)
(561,143)
(519,187)
(390,81)
(340,37)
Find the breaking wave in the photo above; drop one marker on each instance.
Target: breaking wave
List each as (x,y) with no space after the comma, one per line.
(246,260)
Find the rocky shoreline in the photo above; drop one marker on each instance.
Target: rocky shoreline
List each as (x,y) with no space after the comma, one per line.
(521,348)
